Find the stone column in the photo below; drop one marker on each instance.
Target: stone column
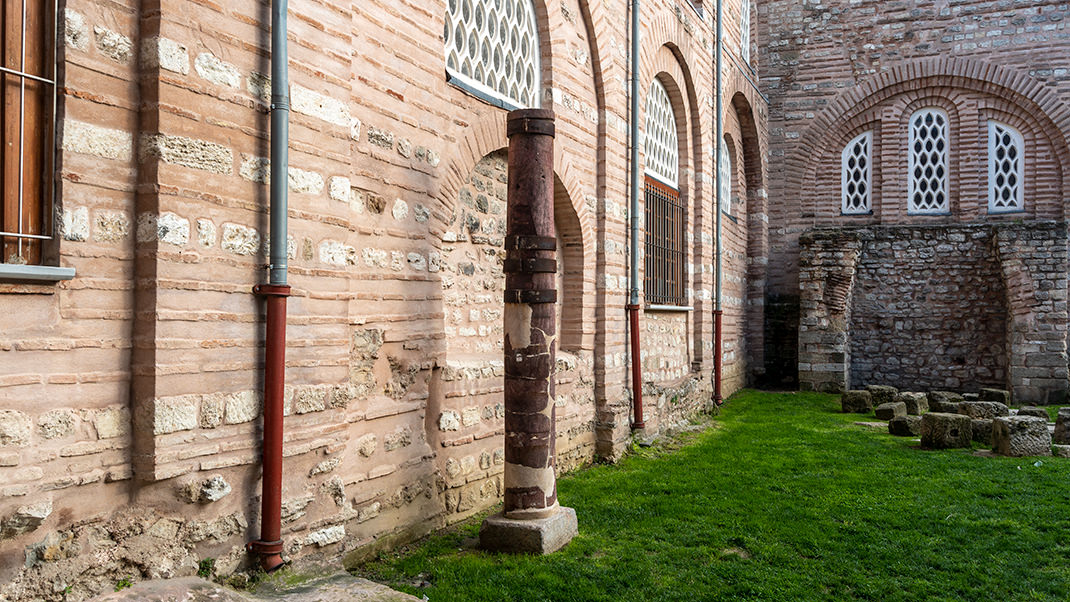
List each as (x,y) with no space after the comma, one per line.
(532,521)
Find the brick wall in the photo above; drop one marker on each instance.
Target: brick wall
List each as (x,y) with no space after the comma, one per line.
(835,69)
(137,384)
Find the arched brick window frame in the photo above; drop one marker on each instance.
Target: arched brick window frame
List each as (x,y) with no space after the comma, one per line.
(975,92)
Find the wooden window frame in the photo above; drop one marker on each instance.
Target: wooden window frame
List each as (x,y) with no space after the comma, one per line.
(29,72)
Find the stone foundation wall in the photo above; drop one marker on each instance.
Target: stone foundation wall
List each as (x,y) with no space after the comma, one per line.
(928,311)
(955,307)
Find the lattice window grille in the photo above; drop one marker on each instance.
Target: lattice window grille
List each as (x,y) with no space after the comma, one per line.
(856,179)
(928,162)
(744,30)
(724,168)
(493,46)
(661,143)
(1005,145)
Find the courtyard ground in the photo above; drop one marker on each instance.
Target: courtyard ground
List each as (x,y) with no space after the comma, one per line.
(780,498)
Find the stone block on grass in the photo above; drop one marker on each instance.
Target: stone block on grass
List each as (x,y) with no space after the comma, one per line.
(887,411)
(971,397)
(1062,427)
(946,402)
(856,402)
(1000,395)
(1018,436)
(1060,451)
(983,409)
(982,431)
(1033,411)
(917,403)
(539,536)
(905,426)
(945,431)
(882,394)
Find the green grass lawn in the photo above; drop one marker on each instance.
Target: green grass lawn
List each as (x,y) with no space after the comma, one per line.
(785,499)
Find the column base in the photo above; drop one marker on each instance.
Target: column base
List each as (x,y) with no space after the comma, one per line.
(531,536)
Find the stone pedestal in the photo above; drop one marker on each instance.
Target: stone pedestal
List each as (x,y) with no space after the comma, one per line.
(530,535)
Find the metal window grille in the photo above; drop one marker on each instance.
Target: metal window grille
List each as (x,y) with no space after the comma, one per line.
(27,126)
(493,46)
(724,166)
(661,143)
(928,162)
(664,276)
(856,177)
(744,30)
(1005,145)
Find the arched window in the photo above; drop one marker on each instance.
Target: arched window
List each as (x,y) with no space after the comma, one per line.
(744,30)
(724,169)
(492,48)
(928,162)
(664,276)
(1004,168)
(856,177)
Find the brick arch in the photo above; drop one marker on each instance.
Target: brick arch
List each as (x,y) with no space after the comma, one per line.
(932,77)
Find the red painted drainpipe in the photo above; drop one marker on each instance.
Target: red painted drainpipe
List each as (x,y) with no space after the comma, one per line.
(637,368)
(269,546)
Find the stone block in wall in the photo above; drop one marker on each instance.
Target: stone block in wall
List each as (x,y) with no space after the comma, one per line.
(1018,436)
(945,431)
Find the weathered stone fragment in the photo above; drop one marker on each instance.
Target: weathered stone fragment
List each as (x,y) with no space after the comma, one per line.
(917,403)
(1033,411)
(1062,427)
(1060,451)
(882,394)
(1021,436)
(971,397)
(983,409)
(944,401)
(905,426)
(25,519)
(887,411)
(945,431)
(999,395)
(856,402)
(982,431)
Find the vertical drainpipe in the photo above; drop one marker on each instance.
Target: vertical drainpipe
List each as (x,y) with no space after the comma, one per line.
(269,546)
(633,294)
(718,310)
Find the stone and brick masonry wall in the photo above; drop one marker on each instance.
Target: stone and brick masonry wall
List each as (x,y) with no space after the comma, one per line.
(936,307)
(136,386)
(834,69)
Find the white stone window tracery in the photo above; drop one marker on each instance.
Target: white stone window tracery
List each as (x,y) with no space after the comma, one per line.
(744,30)
(928,162)
(856,180)
(1005,169)
(492,46)
(661,143)
(724,168)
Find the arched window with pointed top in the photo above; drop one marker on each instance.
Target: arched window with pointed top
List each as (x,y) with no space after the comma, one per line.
(1005,168)
(492,50)
(856,176)
(928,163)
